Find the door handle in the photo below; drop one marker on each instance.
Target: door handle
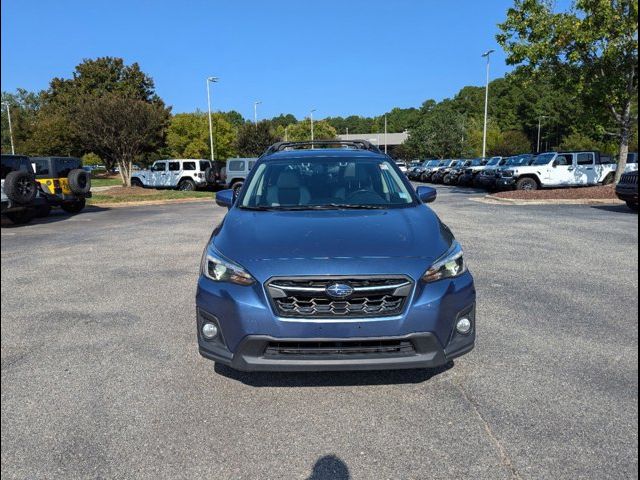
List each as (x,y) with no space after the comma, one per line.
(589,168)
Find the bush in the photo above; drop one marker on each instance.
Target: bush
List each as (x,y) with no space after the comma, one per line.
(89,159)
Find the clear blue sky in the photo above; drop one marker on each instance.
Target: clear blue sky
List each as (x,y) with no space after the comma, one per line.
(341,57)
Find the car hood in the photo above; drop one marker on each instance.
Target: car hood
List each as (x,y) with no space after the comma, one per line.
(353,239)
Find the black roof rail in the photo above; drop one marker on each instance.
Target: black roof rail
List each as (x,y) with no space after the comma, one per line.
(358,144)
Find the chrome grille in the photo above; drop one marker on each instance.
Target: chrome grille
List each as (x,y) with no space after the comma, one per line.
(305,297)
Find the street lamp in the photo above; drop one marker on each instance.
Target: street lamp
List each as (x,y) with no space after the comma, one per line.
(13,150)
(255,112)
(486,106)
(210,80)
(385,134)
(311,118)
(539,128)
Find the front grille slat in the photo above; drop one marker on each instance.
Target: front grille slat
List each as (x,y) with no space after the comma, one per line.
(350,348)
(307,298)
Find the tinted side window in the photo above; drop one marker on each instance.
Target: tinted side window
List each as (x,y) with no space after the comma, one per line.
(632,158)
(204,165)
(251,164)
(565,160)
(159,167)
(174,166)
(235,165)
(586,159)
(188,166)
(42,166)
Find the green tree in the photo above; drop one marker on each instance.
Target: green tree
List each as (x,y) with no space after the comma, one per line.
(24,107)
(188,136)
(91,159)
(439,135)
(511,142)
(253,140)
(119,129)
(594,46)
(301,131)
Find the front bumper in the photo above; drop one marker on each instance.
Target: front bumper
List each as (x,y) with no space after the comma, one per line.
(627,193)
(505,183)
(247,326)
(484,181)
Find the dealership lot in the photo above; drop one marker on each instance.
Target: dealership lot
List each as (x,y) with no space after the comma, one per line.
(101,375)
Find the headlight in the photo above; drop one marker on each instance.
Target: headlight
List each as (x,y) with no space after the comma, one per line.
(220,270)
(450,265)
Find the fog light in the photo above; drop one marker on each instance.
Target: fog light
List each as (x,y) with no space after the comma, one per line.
(209,331)
(463,326)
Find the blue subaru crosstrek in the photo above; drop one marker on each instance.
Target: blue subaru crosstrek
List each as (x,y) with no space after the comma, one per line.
(328,259)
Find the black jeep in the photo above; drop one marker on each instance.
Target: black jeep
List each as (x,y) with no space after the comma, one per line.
(20,198)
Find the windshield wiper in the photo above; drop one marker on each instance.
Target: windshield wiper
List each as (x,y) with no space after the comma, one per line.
(257,208)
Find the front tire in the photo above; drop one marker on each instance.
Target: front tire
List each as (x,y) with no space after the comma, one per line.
(609,179)
(75,207)
(527,184)
(633,206)
(187,186)
(236,188)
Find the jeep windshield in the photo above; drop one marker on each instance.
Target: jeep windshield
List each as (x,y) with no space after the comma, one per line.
(493,162)
(431,163)
(327,183)
(543,159)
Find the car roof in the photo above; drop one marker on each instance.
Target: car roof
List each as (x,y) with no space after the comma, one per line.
(322,153)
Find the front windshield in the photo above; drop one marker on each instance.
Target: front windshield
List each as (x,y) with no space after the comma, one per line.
(493,162)
(476,163)
(543,159)
(445,163)
(300,184)
(432,163)
(456,163)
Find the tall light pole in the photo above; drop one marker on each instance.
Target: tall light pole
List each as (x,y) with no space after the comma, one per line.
(311,118)
(255,112)
(210,80)
(13,150)
(385,134)
(486,106)
(539,129)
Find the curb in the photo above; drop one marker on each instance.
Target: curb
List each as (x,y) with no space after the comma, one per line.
(489,199)
(142,203)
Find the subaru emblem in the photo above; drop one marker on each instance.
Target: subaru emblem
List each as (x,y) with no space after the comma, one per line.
(339,290)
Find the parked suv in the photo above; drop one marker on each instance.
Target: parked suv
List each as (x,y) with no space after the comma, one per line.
(63,182)
(627,189)
(486,176)
(560,169)
(19,189)
(237,170)
(180,174)
(289,282)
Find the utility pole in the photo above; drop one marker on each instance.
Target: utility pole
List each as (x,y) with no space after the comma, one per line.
(255,112)
(486,106)
(210,80)
(6,104)
(311,118)
(539,129)
(385,134)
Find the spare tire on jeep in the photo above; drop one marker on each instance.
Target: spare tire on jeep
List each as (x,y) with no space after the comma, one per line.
(20,186)
(211,175)
(79,181)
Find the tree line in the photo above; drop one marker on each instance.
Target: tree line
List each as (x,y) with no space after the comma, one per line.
(575,81)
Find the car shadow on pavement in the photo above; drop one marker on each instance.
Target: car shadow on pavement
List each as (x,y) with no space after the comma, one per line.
(615,209)
(330,467)
(57,215)
(331,379)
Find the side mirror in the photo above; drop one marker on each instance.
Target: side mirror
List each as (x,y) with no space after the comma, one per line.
(224,198)
(426,194)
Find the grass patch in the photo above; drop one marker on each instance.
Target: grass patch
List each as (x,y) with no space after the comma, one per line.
(105,182)
(136,194)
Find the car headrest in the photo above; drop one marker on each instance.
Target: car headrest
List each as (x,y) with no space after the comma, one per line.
(288,180)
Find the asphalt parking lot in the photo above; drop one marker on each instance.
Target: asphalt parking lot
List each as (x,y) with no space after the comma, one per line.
(101,377)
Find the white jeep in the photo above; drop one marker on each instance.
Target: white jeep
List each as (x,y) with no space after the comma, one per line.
(181,174)
(562,169)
